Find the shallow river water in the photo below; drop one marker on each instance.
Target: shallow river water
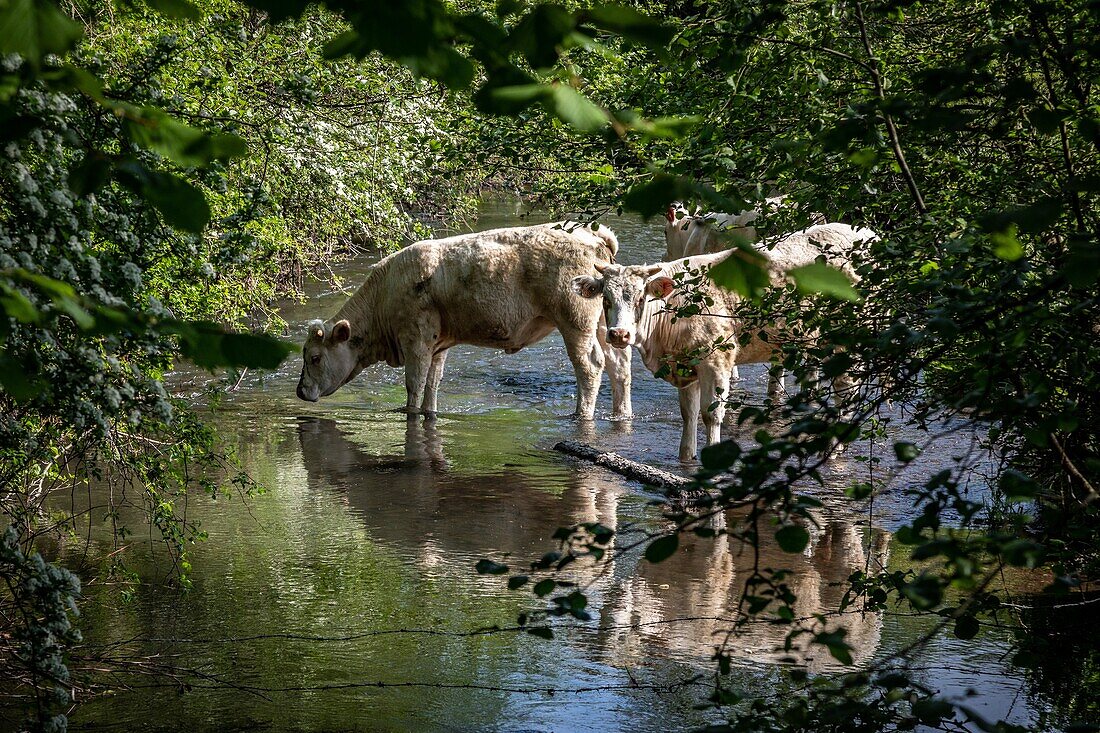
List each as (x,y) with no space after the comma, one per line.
(369,531)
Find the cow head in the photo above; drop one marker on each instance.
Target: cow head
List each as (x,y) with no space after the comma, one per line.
(330,362)
(624,291)
(677,215)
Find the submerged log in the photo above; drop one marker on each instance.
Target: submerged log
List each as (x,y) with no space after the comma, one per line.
(670,482)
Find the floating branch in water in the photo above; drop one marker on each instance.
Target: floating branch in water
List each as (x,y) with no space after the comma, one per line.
(670,482)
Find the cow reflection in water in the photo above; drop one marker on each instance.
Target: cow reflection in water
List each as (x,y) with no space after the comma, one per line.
(445,518)
(702,586)
(421,505)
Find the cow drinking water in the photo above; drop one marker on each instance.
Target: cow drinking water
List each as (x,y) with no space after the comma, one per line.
(503,288)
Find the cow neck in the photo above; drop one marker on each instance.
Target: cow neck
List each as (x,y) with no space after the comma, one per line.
(662,333)
(654,332)
(368,323)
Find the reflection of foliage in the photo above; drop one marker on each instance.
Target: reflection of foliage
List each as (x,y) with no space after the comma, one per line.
(968,136)
(1063,658)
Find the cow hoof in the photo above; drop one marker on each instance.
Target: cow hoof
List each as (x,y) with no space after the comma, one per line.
(578,418)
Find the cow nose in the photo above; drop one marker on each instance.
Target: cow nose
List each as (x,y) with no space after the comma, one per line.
(301,392)
(618,336)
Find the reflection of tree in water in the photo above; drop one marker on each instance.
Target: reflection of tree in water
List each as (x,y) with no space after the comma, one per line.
(702,585)
(1061,649)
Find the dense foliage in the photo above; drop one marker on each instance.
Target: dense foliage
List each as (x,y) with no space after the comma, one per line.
(166,171)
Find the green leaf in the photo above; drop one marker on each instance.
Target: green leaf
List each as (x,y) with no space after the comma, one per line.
(906,451)
(1006,245)
(485,566)
(35,29)
(541,33)
(544,587)
(966,627)
(1023,553)
(720,456)
(182,144)
(16,305)
(73,309)
(743,272)
(511,99)
(1082,267)
(1017,486)
(792,538)
(629,23)
(517,581)
(1036,217)
(653,196)
(444,64)
(89,175)
(931,711)
(574,108)
(180,203)
(818,277)
(255,350)
(838,648)
(15,380)
(662,548)
(181,9)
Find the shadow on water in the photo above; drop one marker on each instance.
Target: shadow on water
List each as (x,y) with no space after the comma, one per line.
(373,523)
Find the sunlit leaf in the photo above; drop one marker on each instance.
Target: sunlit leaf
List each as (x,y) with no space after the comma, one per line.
(571,106)
(742,272)
(818,277)
(1006,245)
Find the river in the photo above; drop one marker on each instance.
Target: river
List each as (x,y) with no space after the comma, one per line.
(344,598)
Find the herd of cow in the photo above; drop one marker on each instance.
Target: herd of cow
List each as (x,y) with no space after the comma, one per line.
(508,288)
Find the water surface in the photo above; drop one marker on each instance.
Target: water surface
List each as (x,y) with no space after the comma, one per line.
(344,599)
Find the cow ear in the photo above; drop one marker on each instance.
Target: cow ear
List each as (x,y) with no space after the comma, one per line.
(315,329)
(660,287)
(341,332)
(650,270)
(671,214)
(586,286)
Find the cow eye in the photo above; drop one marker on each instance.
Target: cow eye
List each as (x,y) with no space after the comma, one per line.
(315,359)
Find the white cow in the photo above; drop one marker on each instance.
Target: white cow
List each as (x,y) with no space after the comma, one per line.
(503,288)
(636,300)
(687,234)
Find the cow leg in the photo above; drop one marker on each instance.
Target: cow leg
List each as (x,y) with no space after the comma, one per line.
(714,387)
(418,362)
(775,382)
(431,388)
(735,376)
(689,414)
(618,373)
(587,357)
